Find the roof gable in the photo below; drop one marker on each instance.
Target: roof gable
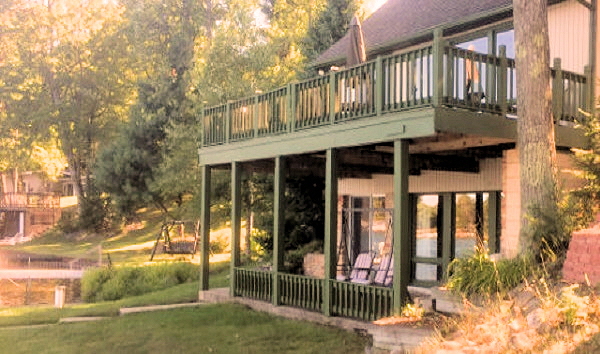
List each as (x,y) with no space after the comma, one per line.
(400,19)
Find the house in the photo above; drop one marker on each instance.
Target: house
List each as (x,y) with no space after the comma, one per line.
(30,204)
(416,147)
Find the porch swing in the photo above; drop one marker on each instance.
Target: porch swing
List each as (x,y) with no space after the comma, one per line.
(172,238)
(363,264)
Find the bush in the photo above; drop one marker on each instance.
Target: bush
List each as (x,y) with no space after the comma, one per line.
(480,275)
(107,284)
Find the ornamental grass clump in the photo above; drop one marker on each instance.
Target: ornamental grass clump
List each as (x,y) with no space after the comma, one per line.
(478,274)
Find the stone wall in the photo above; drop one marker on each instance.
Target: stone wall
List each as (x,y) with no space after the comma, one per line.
(314,265)
(582,257)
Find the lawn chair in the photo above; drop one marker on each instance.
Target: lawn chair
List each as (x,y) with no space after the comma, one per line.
(362,268)
(384,275)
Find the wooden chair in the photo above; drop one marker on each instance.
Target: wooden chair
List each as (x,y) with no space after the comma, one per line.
(384,275)
(362,268)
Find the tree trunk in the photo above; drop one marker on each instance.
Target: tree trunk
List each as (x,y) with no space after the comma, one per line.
(535,141)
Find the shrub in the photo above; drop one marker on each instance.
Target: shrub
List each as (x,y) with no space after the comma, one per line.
(480,275)
(106,284)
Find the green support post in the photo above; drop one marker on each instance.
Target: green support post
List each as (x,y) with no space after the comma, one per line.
(378,81)
(255,113)
(494,200)
(202,127)
(401,222)
(330,247)
(558,91)
(448,219)
(204,226)
(278,224)
(503,81)
(479,216)
(291,107)
(228,122)
(589,89)
(438,67)
(332,82)
(236,221)
(491,69)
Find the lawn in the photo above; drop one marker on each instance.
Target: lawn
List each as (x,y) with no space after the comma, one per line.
(223,328)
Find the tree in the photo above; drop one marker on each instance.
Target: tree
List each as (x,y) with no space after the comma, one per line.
(536,140)
(329,27)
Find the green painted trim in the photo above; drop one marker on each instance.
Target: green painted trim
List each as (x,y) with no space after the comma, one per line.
(401,226)
(331,216)
(236,221)
(438,67)
(408,124)
(448,230)
(494,217)
(205,170)
(278,225)
(467,122)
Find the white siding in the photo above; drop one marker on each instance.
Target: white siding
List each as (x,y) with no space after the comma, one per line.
(568,24)
(489,179)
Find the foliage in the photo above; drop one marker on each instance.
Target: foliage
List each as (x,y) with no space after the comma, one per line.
(116,283)
(584,202)
(330,26)
(294,259)
(478,274)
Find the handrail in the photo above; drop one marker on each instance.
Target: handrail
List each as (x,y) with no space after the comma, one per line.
(439,74)
(29,200)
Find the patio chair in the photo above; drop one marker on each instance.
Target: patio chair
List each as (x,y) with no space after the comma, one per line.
(362,268)
(384,275)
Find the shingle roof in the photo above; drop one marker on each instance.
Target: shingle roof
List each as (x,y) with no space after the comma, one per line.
(398,19)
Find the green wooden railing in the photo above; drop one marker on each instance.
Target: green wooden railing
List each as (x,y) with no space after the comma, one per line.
(430,76)
(348,299)
(301,291)
(253,284)
(360,301)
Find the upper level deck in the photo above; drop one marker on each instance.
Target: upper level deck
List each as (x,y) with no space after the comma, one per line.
(23,201)
(417,93)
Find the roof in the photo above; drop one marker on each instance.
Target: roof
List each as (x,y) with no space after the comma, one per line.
(402,19)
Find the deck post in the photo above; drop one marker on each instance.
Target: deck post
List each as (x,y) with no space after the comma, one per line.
(503,81)
(438,67)
(401,222)
(236,221)
(255,113)
(278,225)
(332,75)
(202,127)
(448,235)
(494,222)
(589,90)
(330,247)
(228,122)
(558,90)
(204,226)
(491,69)
(291,107)
(378,80)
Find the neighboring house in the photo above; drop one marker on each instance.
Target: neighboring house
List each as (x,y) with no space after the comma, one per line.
(416,146)
(30,204)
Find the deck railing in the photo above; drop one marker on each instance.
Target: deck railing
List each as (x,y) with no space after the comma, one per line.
(348,299)
(301,291)
(436,75)
(29,200)
(360,301)
(253,284)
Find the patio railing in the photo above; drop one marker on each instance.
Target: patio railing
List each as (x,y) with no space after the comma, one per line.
(29,200)
(348,299)
(435,75)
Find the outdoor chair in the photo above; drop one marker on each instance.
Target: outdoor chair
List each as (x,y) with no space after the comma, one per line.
(362,268)
(384,275)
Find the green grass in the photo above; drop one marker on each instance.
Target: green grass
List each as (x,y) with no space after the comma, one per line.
(224,328)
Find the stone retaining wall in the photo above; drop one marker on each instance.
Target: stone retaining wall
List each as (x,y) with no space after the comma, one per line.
(583,257)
